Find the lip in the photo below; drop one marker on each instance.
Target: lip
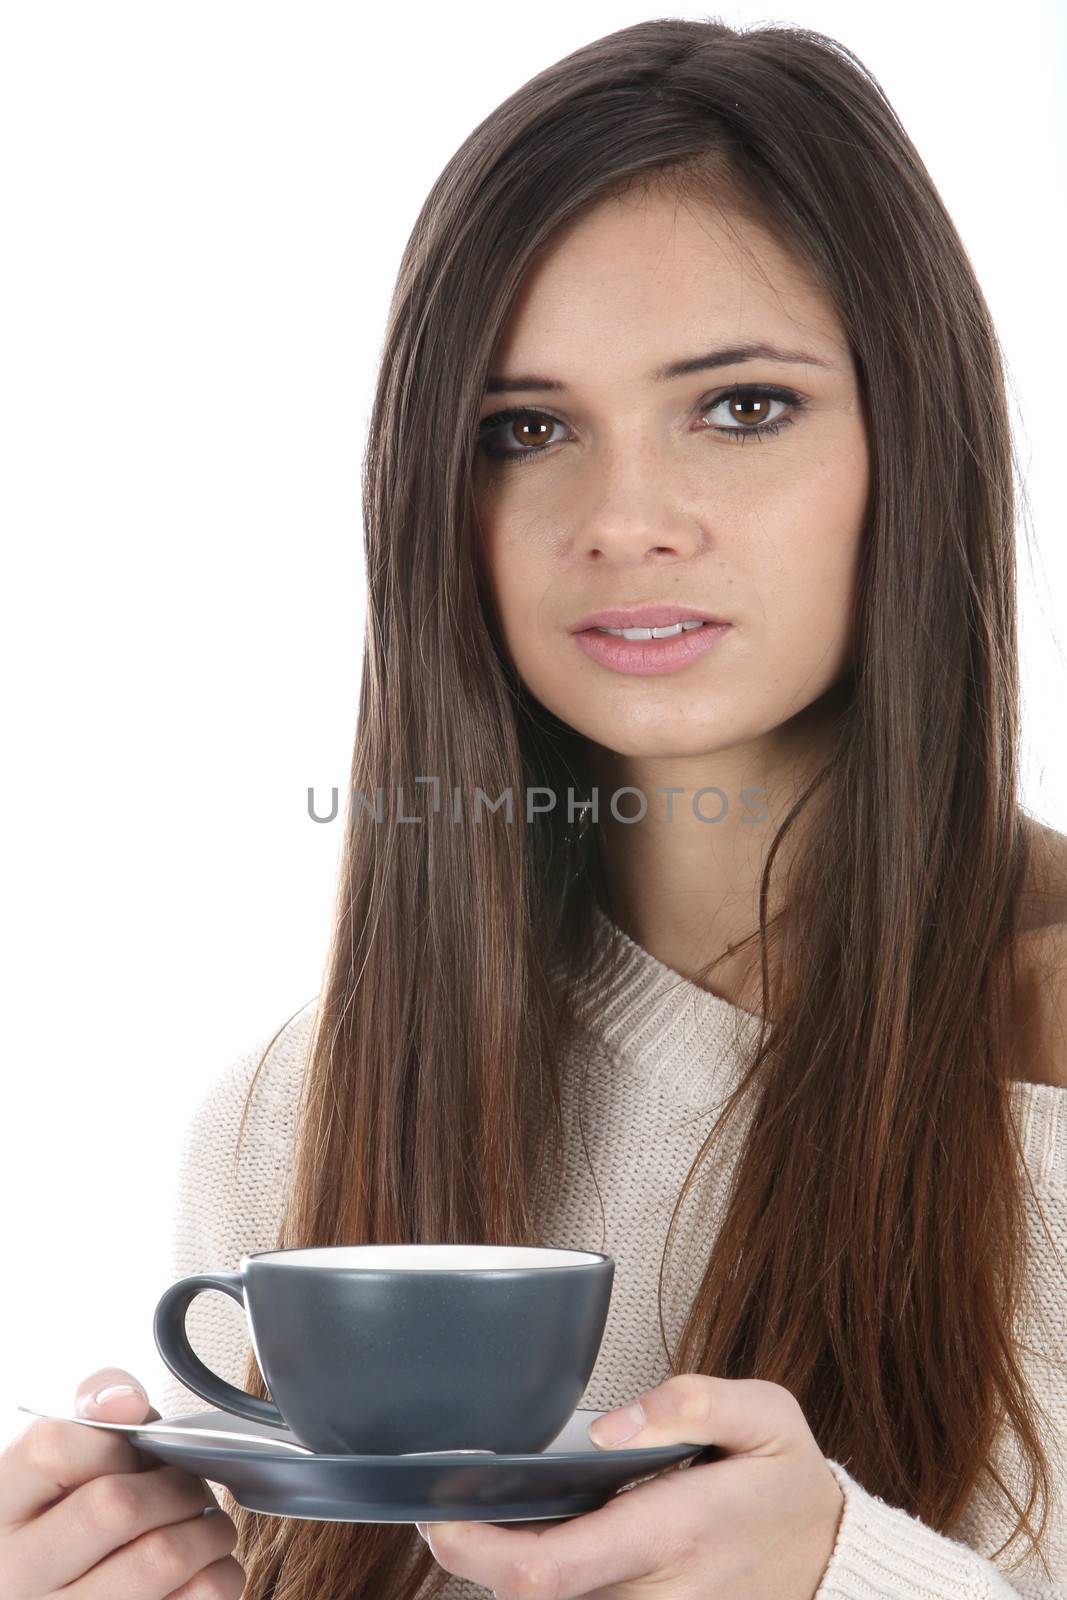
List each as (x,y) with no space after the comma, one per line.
(654,616)
(650,658)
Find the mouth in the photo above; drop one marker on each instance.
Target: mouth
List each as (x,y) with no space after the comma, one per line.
(650,652)
(669,631)
(647,622)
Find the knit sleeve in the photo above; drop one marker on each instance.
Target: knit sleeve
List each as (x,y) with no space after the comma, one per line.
(229,1203)
(883,1551)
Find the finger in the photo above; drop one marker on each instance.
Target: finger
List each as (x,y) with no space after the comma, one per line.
(126,1397)
(743,1416)
(629,1538)
(122,1407)
(125,1401)
(194,1552)
(99,1518)
(50,1459)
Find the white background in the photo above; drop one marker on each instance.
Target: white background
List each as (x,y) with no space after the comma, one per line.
(204,206)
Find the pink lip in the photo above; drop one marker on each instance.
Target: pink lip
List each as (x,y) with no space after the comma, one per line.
(645,617)
(649,658)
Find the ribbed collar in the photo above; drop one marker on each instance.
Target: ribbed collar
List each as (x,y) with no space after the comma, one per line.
(677,1036)
(691,1045)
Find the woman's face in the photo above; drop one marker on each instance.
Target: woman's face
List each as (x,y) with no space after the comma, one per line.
(638,494)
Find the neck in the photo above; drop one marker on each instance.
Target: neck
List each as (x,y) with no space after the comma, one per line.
(686,886)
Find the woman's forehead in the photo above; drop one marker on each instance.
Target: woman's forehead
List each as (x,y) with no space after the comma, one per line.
(645,296)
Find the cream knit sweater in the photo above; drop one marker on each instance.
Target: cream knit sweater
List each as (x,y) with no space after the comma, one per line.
(659,1066)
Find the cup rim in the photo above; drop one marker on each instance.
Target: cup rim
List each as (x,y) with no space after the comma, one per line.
(439,1257)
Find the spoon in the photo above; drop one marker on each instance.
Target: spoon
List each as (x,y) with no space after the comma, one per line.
(181,1433)
(220,1433)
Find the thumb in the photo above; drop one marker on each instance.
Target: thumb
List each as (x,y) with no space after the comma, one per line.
(113,1395)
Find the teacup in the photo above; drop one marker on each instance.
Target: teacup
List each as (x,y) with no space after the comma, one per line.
(386,1349)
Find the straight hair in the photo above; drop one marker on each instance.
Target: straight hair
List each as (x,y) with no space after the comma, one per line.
(872,1256)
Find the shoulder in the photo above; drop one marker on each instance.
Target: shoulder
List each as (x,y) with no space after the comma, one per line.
(1042,950)
(267,1078)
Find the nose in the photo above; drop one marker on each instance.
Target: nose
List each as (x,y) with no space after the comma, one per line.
(636,518)
(631,540)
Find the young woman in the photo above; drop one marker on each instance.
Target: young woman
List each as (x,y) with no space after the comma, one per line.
(684,325)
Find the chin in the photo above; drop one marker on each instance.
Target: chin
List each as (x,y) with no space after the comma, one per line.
(658,743)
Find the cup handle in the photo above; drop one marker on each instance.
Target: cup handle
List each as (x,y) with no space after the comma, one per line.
(172,1342)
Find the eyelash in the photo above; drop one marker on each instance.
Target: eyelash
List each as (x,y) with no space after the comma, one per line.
(738,392)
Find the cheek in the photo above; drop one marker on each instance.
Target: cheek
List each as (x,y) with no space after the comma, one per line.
(517,576)
(794,555)
(805,537)
(813,575)
(809,584)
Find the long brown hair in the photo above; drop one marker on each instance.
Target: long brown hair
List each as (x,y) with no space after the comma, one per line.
(879,1282)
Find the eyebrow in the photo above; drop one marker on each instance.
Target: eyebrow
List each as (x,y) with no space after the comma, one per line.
(730,355)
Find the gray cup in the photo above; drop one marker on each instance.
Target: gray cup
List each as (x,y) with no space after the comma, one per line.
(384,1349)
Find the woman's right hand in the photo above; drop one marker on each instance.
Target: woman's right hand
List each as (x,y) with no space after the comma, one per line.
(85,1515)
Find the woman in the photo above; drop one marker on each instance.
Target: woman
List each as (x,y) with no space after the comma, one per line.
(822,972)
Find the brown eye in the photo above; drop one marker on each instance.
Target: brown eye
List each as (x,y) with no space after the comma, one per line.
(749,408)
(528,431)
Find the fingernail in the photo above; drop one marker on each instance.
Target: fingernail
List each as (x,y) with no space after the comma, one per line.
(103,1395)
(616,1426)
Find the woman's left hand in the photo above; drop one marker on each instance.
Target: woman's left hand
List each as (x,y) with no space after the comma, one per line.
(758,1525)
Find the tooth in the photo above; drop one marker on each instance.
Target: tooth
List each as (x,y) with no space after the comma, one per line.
(669,632)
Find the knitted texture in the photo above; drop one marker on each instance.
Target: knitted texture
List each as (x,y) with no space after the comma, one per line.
(663,1057)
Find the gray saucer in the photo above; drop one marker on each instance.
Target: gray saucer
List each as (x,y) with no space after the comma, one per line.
(568,1477)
